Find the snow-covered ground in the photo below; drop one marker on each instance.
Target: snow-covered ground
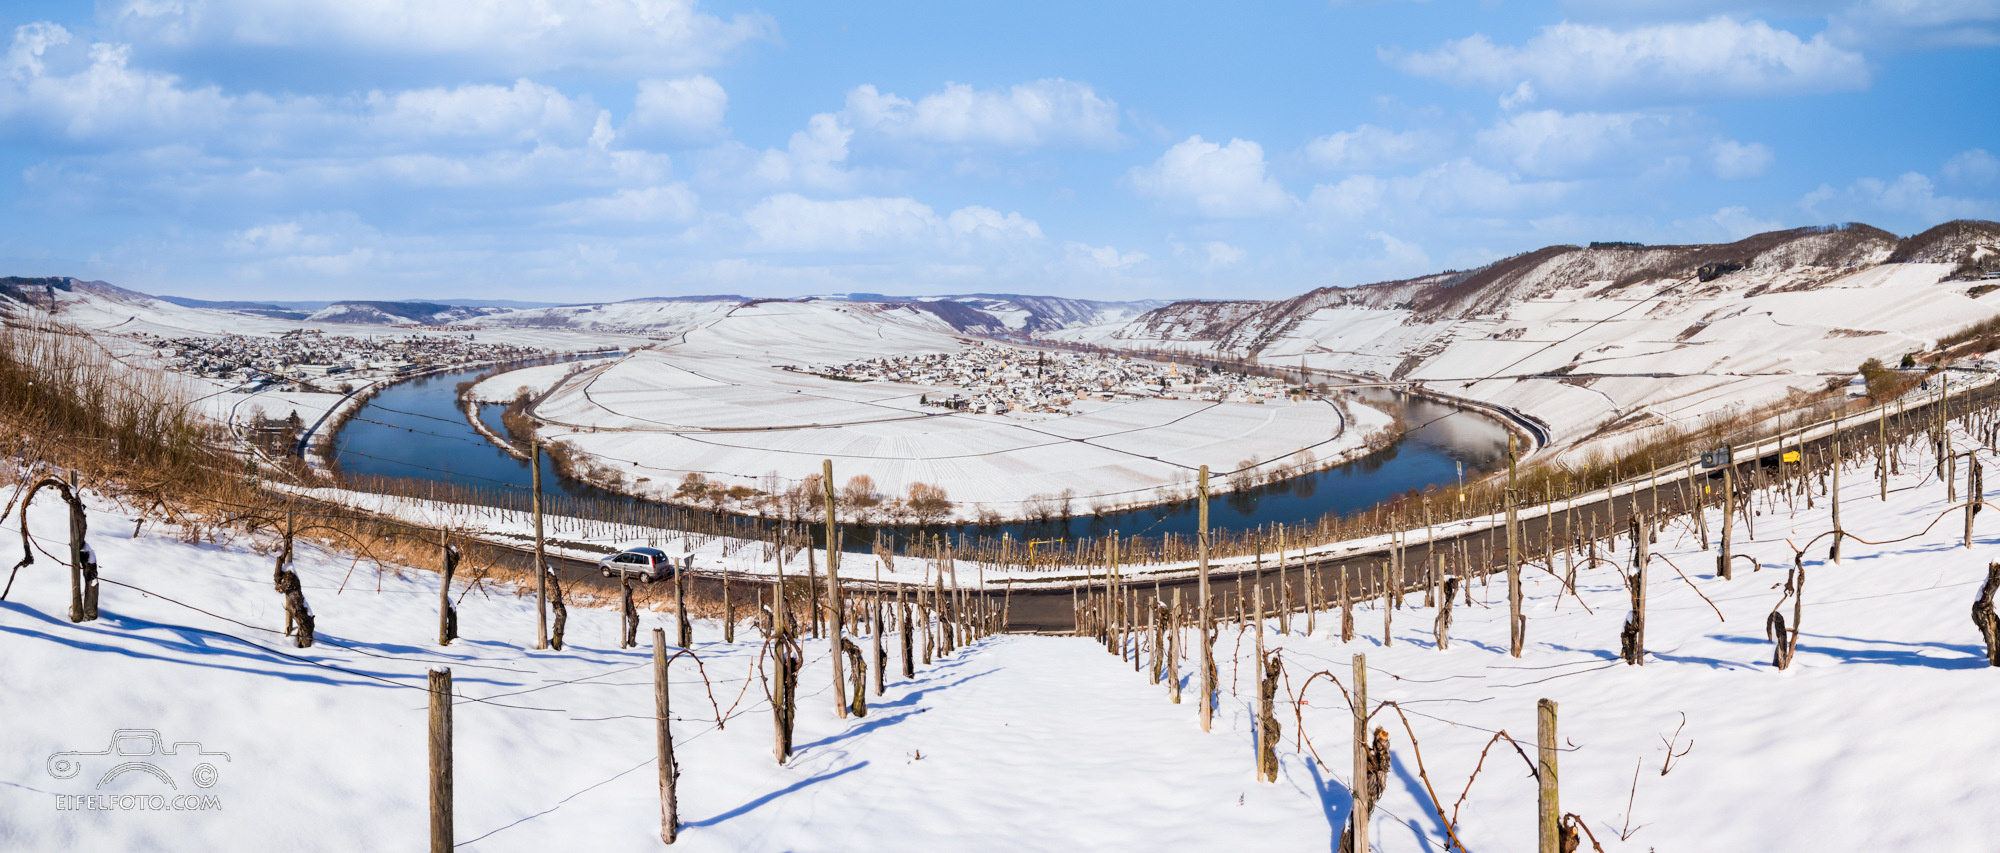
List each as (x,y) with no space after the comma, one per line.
(1877,737)
(719,405)
(1583,355)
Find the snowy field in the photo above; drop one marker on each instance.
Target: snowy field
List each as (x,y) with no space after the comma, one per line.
(1876,737)
(1660,352)
(719,406)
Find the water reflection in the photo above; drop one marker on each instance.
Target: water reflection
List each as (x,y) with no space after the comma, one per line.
(416,430)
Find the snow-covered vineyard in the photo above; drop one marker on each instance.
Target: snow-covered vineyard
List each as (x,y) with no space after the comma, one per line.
(1858,719)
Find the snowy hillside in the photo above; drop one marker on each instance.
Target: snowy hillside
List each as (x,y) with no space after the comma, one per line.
(1614,338)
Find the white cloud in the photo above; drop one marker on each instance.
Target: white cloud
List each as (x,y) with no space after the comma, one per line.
(1221,181)
(682,109)
(523,113)
(1222,254)
(1369,147)
(1400,254)
(1548,142)
(666,203)
(499,35)
(1917,24)
(1676,62)
(793,223)
(278,237)
(989,224)
(1974,167)
(1355,196)
(813,157)
(1105,257)
(101,98)
(1453,187)
(1912,196)
(1736,160)
(1724,226)
(1027,115)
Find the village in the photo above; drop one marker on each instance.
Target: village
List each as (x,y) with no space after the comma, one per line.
(998,379)
(308,355)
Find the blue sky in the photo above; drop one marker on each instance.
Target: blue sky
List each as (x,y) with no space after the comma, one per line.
(581,150)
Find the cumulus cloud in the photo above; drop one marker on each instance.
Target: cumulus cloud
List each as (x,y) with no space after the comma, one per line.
(1912,197)
(1458,186)
(104,100)
(1220,181)
(814,156)
(666,203)
(522,113)
(1737,223)
(1400,254)
(1106,258)
(1975,167)
(1027,115)
(685,109)
(1222,254)
(1369,147)
(1549,142)
(989,224)
(1917,24)
(1734,160)
(101,98)
(793,223)
(1719,58)
(498,35)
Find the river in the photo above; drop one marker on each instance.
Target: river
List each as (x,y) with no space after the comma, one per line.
(416,429)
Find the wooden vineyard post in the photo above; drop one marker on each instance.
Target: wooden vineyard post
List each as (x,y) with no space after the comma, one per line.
(440,731)
(1833,496)
(1632,640)
(1312,592)
(670,820)
(875,634)
(683,627)
(903,624)
(1882,449)
(541,560)
(1268,731)
(1346,608)
(1257,596)
(1550,808)
(832,606)
(1206,676)
(1700,507)
(1722,558)
(1388,612)
(728,610)
(1174,647)
(1517,622)
(447,616)
(1975,494)
(1358,816)
(1284,588)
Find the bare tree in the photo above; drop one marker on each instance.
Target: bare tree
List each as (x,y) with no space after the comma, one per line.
(928,503)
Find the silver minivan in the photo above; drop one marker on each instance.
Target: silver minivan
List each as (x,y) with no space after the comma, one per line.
(647,565)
